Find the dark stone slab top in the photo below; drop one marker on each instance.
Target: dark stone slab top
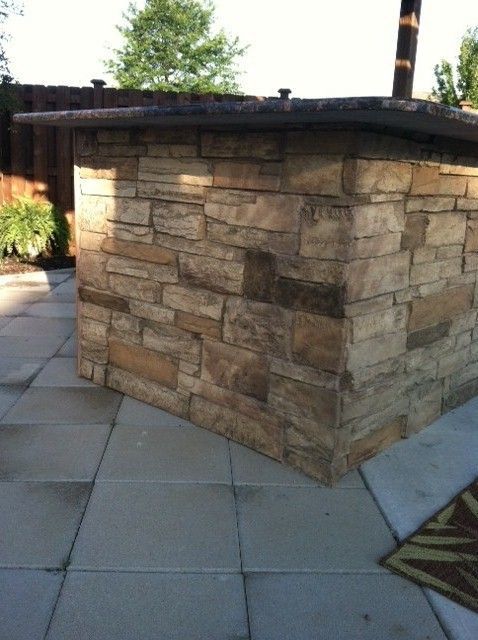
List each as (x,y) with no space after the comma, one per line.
(414,116)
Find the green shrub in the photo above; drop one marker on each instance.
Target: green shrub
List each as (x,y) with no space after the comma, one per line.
(29,227)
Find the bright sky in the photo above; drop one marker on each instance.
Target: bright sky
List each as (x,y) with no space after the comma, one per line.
(316,47)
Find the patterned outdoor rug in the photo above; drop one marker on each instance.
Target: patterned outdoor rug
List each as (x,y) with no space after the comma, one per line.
(443,553)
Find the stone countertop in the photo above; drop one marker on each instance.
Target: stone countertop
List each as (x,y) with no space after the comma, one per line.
(413,116)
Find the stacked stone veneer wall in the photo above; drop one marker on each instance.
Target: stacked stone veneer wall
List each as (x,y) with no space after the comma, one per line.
(308,293)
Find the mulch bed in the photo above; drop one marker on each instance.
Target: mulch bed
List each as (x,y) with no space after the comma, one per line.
(14,265)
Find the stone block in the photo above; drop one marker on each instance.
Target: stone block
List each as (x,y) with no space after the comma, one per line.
(153,312)
(222,276)
(130,232)
(197,301)
(234,368)
(91,270)
(95,312)
(453,362)
(172,341)
(135,288)
(171,135)
(298,268)
(93,351)
(129,210)
(251,238)
(198,324)
(303,373)
(323,299)
(472,190)
(90,241)
(117,188)
(103,299)
(124,322)
(445,228)
(246,144)
(429,203)
(247,175)
(374,276)
(144,362)
(132,384)
(428,335)
(364,307)
(110,168)
(121,150)
(376,246)
(379,323)
(467,204)
(180,219)
(369,352)
(198,247)
(173,150)
(427,181)
(430,272)
(137,251)
(432,310)
(304,400)
(260,275)
(91,213)
(319,341)
(376,176)
(378,218)
(272,212)
(471,239)
(175,170)
(172,192)
(425,406)
(369,445)
(142,269)
(113,136)
(314,174)
(94,331)
(415,231)
(258,326)
(326,232)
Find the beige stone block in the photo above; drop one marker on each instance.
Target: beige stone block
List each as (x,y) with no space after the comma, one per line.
(259,326)
(234,368)
(95,312)
(231,197)
(129,210)
(370,401)
(91,213)
(369,352)
(121,150)
(135,288)
(376,246)
(377,176)
(189,368)
(470,262)
(366,447)
(173,150)
(304,400)
(466,322)
(154,254)
(320,175)
(198,324)
(415,231)
(379,323)
(372,277)
(258,435)
(247,175)
(467,204)
(463,340)
(303,373)
(209,273)
(153,312)
(148,391)
(117,188)
(173,341)
(103,299)
(244,144)
(432,204)
(449,251)
(91,270)
(201,302)
(171,135)
(364,307)
(110,168)
(273,212)
(91,241)
(425,406)
(298,268)
(471,240)
(175,170)
(427,180)
(172,192)
(198,247)
(94,331)
(378,219)
(113,136)
(445,228)
(126,322)
(387,370)
(424,254)
(86,368)
(144,362)
(326,232)
(142,269)
(459,165)
(433,309)
(453,362)
(472,190)
(93,351)
(130,232)
(249,237)
(319,341)
(180,219)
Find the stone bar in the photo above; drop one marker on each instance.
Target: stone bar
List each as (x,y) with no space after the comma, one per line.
(306,288)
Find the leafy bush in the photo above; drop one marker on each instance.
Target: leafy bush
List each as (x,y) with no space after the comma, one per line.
(28,228)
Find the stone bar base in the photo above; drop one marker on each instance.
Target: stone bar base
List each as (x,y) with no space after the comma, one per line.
(308,293)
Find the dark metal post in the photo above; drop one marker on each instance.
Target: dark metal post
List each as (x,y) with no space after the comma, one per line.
(406,48)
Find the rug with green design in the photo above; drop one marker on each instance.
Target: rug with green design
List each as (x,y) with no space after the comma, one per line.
(443,553)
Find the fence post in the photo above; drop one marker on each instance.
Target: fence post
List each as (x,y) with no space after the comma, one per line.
(97,93)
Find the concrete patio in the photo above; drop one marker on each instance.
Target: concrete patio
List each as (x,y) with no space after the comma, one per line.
(120,521)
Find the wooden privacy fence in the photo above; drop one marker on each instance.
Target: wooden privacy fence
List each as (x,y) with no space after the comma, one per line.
(38,161)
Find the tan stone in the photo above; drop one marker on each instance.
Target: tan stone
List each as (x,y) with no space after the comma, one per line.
(180,219)
(364,307)
(326,232)
(151,312)
(472,191)
(118,188)
(173,192)
(471,241)
(173,150)
(135,288)
(201,302)
(173,342)
(246,144)
(445,228)
(130,233)
(460,165)
(94,331)
(258,326)
(415,231)
(321,175)
(442,306)
(453,362)
(91,213)
(110,168)
(467,204)
(449,251)
(231,197)
(427,180)
(217,275)
(129,210)
(376,176)
(260,436)
(370,401)
(304,400)
(271,212)
(102,299)
(319,341)
(378,219)
(234,368)
(198,324)
(424,254)
(432,204)
(93,351)
(432,271)
(189,368)
(138,387)
(250,237)
(303,373)
(95,312)
(297,268)
(121,150)
(372,277)
(376,246)
(175,170)
(86,369)
(126,322)
(142,269)
(425,406)
(198,247)
(372,443)
(91,269)
(113,136)
(247,175)
(171,135)
(91,241)
(144,362)
(369,352)
(154,254)
(387,370)
(380,323)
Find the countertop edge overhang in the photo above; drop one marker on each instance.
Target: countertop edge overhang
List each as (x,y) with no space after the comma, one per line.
(413,116)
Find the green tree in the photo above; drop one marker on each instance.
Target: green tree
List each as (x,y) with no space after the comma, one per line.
(170,46)
(7,98)
(453,87)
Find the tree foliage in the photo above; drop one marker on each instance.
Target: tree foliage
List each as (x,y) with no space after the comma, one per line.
(170,46)
(7,8)
(454,86)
